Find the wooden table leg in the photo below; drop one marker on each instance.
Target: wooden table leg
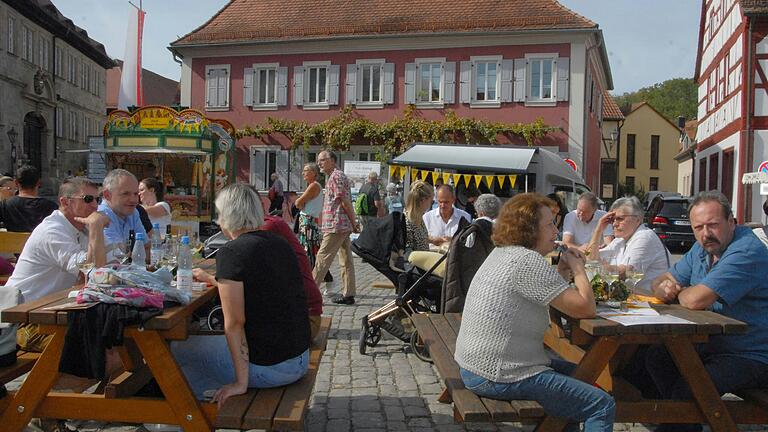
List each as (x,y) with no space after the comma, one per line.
(591,366)
(172,382)
(37,385)
(704,392)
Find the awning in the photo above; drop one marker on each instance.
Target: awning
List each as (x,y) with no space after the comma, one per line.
(152,150)
(754,178)
(499,159)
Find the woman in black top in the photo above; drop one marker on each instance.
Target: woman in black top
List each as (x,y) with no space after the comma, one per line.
(266,327)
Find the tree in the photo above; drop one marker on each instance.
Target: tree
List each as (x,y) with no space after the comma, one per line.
(672,98)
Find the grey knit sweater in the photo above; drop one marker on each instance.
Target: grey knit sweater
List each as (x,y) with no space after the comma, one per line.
(506,314)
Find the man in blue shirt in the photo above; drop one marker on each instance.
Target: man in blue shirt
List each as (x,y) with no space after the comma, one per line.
(121,196)
(726,272)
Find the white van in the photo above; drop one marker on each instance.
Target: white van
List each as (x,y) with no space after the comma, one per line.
(537,169)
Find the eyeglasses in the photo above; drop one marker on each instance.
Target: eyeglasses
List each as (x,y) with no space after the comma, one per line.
(88,198)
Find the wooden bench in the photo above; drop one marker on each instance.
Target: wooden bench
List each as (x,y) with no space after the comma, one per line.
(281,408)
(438,332)
(12,243)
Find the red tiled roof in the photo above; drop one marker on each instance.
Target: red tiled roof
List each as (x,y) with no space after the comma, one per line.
(242,20)
(611,110)
(157,89)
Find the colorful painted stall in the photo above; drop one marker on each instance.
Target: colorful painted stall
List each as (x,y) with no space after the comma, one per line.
(193,156)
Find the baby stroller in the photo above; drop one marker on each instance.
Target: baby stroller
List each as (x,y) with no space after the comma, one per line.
(421,295)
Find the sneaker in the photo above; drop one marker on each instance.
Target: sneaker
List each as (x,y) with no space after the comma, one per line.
(344,300)
(328,290)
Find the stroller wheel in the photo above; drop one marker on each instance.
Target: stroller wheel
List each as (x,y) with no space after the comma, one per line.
(369,335)
(215,319)
(418,348)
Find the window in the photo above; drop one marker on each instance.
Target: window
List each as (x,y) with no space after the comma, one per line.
(714,180)
(317,85)
(58,59)
(429,85)
(95,79)
(702,174)
(11,35)
(654,152)
(542,79)
(71,69)
(44,46)
(72,126)
(217,85)
(629,183)
(370,83)
(727,184)
(367,156)
(27,44)
(486,80)
(631,150)
(653,184)
(265,85)
(85,71)
(59,122)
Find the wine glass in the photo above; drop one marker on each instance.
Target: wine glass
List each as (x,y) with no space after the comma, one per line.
(119,251)
(85,264)
(633,277)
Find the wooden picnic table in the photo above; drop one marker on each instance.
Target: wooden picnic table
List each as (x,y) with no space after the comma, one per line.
(146,355)
(600,347)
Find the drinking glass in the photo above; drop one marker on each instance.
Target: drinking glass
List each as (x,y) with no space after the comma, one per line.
(633,277)
(84,264)
(592,269)
(119,251)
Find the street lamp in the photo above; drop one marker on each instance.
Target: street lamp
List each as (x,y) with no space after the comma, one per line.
(12,135)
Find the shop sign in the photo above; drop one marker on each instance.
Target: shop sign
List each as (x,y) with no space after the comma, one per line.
(155,122)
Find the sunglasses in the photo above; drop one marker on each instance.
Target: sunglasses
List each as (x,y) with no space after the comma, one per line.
(88,198)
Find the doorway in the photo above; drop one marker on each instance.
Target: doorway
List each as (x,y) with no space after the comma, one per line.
(34,127)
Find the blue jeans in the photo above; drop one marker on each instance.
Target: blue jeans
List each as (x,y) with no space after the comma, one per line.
(559,394)
(207,365)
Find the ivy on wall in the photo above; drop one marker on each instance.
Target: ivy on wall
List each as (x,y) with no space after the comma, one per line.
(347,128)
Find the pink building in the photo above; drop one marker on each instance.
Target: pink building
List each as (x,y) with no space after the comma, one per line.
(731,69)
(512,61)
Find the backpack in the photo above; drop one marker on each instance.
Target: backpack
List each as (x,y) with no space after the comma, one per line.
(361,204)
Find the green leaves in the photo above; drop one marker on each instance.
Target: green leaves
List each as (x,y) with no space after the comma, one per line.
(393,137)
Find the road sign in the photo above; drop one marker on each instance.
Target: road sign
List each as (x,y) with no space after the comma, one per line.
(763,167)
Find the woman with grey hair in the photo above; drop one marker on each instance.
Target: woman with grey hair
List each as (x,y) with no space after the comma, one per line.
(311,205)
(266,326)
(635,248)
(487,207)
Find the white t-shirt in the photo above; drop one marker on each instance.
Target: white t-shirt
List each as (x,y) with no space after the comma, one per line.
(582,232)
(163,221)
(762,234)
(644,251)
(49,260)
(436,227)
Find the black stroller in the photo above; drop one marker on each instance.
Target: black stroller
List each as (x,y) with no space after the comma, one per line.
(428,293)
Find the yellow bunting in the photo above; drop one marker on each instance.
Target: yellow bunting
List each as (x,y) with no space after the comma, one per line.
(456,179)
(512,180)
(467,179)
(446,178)
(392,170)
(489,180)
(424,175)
(478,179)
(434,176)
(501,179)
(402,172)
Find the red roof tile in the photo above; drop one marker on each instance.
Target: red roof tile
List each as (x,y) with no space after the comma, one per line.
(611,110)
(242,20)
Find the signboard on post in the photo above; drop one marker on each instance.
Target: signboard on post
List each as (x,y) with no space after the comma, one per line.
(358,171)
(97,165)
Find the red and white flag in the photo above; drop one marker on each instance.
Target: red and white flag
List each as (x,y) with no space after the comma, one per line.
(130,77)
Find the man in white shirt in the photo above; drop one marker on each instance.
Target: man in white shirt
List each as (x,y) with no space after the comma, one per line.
(71,235)
(581,223)
(443,222)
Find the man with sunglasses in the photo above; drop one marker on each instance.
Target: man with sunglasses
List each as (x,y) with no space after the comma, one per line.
(25,211)
(71,235)
(121,197)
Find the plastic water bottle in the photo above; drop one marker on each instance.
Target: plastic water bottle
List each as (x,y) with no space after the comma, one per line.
(156,251)
(138,255)
(184,269)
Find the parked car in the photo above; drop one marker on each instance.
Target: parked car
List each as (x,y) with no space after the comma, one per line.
(667,216)
(653,194)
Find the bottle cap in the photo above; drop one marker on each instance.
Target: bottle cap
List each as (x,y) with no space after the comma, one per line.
(140,237)
(185,240)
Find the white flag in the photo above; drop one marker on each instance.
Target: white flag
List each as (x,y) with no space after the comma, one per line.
(130,77)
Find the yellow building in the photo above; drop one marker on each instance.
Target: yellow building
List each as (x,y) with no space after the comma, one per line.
(649,144)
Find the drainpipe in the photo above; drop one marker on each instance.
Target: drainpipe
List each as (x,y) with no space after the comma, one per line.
(749,141)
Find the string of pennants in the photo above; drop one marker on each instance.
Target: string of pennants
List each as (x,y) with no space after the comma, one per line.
(448,178)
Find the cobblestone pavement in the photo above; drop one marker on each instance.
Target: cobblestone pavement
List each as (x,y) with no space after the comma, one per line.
(388,389)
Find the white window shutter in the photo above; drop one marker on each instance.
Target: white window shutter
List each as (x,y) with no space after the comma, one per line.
(521,65)
(298,85)
(507,83)
(449,90)
(350,89)
(282,86)
(465,82)
(222,88)
(333,84)
(258,166)
(388,75)
(410,83)
(248,87)
(210,95)
(563,78)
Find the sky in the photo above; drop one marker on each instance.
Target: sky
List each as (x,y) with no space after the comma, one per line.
(648,41)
